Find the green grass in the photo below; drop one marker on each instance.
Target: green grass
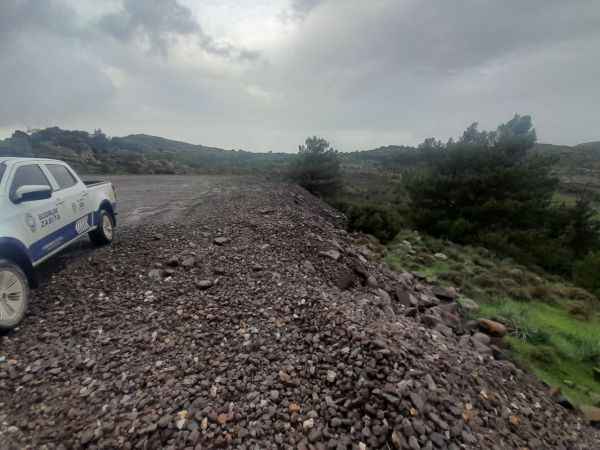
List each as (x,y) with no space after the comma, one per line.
(569,199)
(564,198)
(555,327)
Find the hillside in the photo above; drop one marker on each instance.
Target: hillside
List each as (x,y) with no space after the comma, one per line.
(577,166)
(137,154)
(582,159)
(373,172)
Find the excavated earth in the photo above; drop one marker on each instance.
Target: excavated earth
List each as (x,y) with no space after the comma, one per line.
(254,321)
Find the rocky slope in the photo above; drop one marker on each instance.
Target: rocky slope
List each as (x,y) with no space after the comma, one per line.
(259,323)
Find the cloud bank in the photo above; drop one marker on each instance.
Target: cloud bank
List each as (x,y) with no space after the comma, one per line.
(263,75)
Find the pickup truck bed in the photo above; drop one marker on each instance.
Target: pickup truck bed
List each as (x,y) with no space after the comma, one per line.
(95,183)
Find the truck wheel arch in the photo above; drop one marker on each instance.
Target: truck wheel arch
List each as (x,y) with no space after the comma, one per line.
(15,251)
(107,206)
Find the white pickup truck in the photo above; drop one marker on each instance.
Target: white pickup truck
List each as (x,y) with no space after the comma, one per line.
(44,206)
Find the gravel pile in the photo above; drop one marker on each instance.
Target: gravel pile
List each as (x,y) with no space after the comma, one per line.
(259,323)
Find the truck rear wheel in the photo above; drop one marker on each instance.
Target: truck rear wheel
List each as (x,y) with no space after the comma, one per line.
(104,234)
(14,295)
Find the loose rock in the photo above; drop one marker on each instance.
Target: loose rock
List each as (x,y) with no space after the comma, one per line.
(492,328)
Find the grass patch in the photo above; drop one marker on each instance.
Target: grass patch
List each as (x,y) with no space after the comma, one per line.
(554,326)
(563,198)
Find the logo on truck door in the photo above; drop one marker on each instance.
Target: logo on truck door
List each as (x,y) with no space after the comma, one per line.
(49,217)
(30,222)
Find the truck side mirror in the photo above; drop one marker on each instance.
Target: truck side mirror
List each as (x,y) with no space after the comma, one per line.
(32,193)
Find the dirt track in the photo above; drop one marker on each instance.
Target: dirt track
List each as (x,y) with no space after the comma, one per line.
(148,198)
(239,314)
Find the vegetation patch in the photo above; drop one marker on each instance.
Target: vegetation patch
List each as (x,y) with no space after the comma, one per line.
(554,326)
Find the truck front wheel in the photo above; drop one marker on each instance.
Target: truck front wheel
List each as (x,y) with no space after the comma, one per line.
(104,234)
(14,295)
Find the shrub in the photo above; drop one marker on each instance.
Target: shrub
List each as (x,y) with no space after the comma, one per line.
(587,273)
(489,189)
(576,293)
(541,292)
(317,167)
(457,278)
(485,280)
(519,293)
(484,262)
(382,222)
(580,310)
(506,282)
(458,266)
(543,354)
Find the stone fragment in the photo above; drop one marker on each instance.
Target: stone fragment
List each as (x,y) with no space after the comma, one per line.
(308,424)
(294,408)
(468,305)
(204,284)
(482,338)
(189,262)
(173,261)
(155,274)
(492,327)
(333,254)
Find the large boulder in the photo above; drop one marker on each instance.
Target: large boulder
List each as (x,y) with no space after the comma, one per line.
(492,328)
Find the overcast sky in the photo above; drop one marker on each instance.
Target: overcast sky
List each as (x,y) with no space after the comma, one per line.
(264,74)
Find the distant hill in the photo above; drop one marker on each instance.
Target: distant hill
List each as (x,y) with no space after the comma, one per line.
(391,157)
(148,143)
(578,166)
(139,153)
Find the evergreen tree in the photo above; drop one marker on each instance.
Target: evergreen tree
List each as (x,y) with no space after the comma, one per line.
(317,167)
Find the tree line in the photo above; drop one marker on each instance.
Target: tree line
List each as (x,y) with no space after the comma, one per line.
(485,188)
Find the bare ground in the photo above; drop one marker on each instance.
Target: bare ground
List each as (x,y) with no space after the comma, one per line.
(172,338)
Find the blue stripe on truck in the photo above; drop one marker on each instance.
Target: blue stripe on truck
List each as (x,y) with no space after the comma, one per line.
(66,234)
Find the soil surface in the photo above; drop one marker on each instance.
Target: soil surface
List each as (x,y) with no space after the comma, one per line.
(237,313)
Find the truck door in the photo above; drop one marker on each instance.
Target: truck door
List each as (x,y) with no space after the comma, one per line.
(72,195)
(38,221)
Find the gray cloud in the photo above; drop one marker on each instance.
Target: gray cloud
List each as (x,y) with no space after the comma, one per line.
(46,73)
(31,14)
(299,9)
(157,23)
(360,73)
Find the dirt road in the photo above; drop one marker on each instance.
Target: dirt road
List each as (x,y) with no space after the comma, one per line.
(151,198)
(236,313)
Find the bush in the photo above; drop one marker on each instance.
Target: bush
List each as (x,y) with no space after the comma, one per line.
(485,280)
(543,354)
(519,293)
(587,273)
(488,189)
(317,167)
(457,278)
(379,221)
(580,310)
(541,292)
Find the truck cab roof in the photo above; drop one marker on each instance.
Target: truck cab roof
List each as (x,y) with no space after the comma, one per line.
(16,159)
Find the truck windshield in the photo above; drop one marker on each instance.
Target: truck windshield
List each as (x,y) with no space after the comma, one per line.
(2,168)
